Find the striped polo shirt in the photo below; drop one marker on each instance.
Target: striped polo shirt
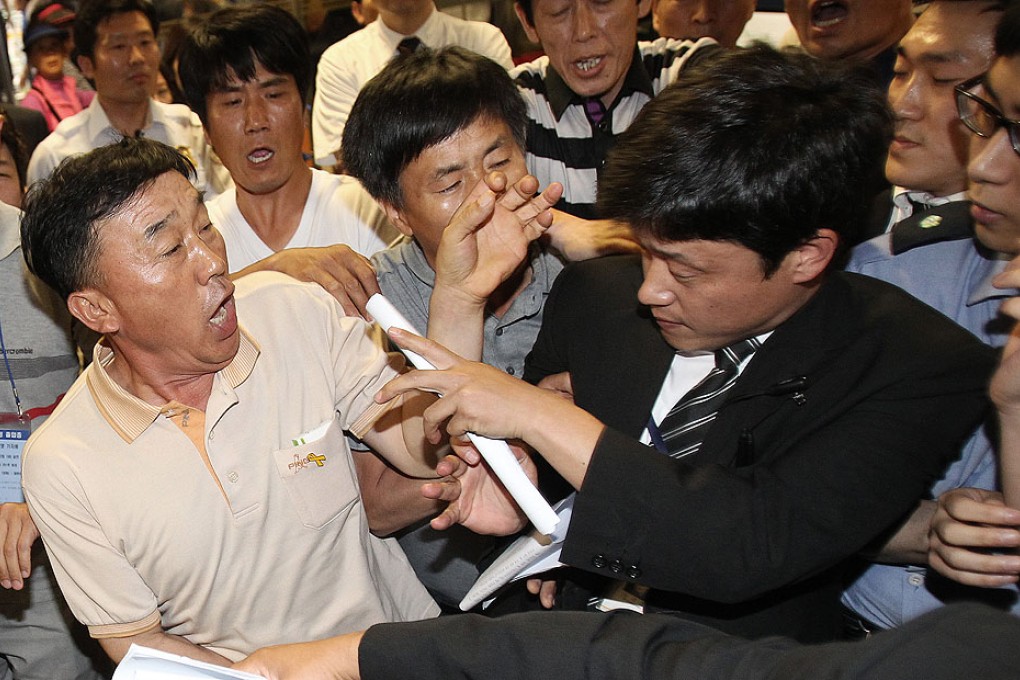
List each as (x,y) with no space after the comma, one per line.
(562,145)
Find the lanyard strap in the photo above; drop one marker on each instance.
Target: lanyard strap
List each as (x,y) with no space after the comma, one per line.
(10,374)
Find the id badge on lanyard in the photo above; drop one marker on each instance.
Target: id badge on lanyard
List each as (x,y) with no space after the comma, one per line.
(14,432)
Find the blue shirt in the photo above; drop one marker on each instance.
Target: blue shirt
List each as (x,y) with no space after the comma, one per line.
(954,277)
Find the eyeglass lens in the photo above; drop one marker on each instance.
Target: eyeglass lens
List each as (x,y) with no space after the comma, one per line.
(984,119)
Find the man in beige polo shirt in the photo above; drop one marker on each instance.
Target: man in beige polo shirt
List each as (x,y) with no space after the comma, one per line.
(195,488)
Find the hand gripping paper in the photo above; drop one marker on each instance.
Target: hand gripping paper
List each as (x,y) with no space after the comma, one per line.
(495,452)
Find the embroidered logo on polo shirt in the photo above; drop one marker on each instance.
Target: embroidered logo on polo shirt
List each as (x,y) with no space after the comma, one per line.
(301,462)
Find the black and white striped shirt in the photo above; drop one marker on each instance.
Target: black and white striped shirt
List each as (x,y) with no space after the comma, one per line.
(562,145)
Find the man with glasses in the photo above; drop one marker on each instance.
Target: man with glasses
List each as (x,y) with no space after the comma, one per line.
(989,173)
(929,251)
(974,536)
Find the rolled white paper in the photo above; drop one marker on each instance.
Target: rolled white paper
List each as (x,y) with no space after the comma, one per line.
(495,452)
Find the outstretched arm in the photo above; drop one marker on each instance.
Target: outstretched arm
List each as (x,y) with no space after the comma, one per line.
(157,638)
(975,533)
(576,238)
(334,658)
(1005,393)
(625,646)
(345,274)
(481,399)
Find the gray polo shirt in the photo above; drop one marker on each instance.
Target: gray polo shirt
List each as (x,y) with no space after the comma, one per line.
(446,561)
(406,278)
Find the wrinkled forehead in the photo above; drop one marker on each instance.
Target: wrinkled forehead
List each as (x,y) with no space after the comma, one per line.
(157,204)
(468,145)
(548,7)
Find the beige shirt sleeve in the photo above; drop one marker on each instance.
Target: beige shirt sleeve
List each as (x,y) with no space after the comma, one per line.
(360,369)
(102,588)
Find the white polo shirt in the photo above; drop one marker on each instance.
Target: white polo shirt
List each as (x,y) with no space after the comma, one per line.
(173,124)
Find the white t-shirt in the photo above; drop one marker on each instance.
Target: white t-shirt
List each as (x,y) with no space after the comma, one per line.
(347,65)
(338,210)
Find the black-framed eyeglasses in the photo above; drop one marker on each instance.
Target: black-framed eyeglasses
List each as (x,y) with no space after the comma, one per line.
(982,117)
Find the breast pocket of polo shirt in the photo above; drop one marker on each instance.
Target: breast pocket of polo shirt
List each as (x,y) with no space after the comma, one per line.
(319,477)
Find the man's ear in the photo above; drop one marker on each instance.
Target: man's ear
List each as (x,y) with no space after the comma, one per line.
(85,65)
(812,257)
(653,5)
(396,217)
(529,30)
(94,309)
(358,13)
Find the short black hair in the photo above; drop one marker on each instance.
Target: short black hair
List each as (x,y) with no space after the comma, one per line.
(59,235)
(1007,37)
(91,13)
(233,41)
(416,102)
(755,146)
(15,143)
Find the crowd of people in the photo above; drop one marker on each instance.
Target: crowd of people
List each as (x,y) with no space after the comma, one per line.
(752,310)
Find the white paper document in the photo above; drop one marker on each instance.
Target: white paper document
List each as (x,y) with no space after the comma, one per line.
(145,663)
(532,553)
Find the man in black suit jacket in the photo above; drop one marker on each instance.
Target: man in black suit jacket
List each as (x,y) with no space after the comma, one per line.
(960,641)
(736,185)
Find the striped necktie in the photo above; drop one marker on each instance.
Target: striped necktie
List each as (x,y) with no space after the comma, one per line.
(684,427)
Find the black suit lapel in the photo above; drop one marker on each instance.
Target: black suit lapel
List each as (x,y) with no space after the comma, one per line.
(781,374)
(624,383)
(947,222)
